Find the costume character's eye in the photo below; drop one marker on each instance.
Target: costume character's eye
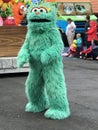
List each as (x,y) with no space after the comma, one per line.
(22,7)
(34,10)
(42,10)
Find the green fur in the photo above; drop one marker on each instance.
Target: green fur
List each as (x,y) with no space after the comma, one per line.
(45,85)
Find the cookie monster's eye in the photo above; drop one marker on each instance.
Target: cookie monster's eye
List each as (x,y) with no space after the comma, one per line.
(34,10)
(42,10)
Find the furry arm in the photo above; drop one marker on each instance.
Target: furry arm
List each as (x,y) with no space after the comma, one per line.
(54,52)
(23,54)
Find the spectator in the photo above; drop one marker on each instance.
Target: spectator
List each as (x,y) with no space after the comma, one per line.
(97,27)
(71,51)
(87,25)
(70,31)
(92,50)
(92,32)
(79,45)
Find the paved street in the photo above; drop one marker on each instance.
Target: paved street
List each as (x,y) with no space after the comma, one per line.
(82,85)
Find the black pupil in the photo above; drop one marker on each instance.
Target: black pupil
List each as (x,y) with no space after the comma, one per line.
(41,10)
(35,10)
(22,8)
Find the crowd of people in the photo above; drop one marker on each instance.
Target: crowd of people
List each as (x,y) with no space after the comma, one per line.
(76,48)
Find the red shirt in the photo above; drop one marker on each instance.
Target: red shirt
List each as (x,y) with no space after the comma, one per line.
(92,31)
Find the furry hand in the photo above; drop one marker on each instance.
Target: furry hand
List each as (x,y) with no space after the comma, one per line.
(21,61)
(44,58)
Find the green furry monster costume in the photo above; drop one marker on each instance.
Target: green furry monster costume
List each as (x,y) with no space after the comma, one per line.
(45,85)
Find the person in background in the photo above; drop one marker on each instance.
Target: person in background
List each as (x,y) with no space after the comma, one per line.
(61,31)
(78,44)
(97,26)
(71,51)
(70,31)
(87,26)
(91,33)
(92,50)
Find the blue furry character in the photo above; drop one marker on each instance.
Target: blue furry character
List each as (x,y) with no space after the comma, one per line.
(45,85)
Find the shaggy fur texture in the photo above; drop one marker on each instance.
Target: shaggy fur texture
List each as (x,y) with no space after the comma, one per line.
(45,85)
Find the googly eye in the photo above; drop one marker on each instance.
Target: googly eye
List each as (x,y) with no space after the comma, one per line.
(42,10)
(34,10)
(22,7)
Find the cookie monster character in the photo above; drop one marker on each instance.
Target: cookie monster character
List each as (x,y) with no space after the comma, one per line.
(45,85)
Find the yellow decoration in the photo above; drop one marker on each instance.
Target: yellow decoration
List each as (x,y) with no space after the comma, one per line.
(1,3)
(10,4)
(4,5)
(13,1)
(48,9)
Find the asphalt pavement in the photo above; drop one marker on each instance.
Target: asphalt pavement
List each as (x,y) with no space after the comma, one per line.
(82,86)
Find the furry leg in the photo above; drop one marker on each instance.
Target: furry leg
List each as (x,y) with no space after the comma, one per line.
(56,91)
(36,93)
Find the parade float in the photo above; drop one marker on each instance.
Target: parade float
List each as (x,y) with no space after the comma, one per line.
(11,34)
(13,26)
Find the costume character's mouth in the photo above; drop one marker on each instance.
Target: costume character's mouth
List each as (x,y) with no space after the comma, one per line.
(20,12)
(40,20)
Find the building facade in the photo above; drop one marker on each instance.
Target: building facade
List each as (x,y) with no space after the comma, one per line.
(94,3)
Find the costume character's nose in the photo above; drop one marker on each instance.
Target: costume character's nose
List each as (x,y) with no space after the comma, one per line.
(37,13)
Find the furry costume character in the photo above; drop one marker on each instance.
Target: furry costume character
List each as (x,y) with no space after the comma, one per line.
(45,85)
(19,10)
